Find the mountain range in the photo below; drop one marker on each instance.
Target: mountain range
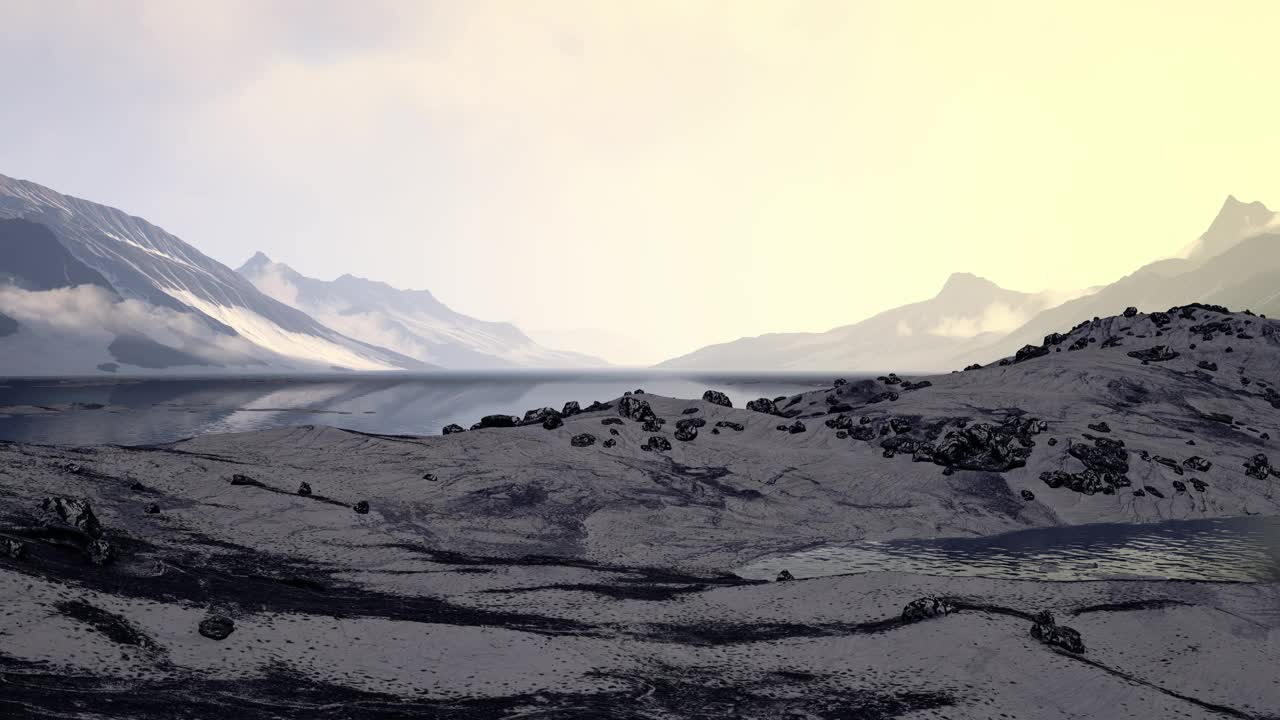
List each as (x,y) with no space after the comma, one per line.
(86,288)
(1235,262)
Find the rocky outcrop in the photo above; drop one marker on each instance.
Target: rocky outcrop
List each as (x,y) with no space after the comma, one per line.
(657,442)
(1197,464)
(785,576)
(634,408)
(1047,631)
(738,427)
(217,627)
(611,421)
(583,440)
(715,397)
(1030,352)
(361,508)
(495,421)
(1157,353)
(983,446)
(70,513)
(763,405)
(686,433)
(610,442)
(796,427)
(925,608)
(551,422)
(452,428)
(571,408)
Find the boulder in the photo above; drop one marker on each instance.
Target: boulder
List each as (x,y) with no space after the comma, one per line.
(840,422)
(100,552)
(982,446)
(1153,491)
(862,432)
(686,433)
(796,427)
(12,549)
(1179,486)
(304,488)
(715,397)
(539,415)
(1029,352)
(362,507)
(241,479)
(1130,311)
(739,427)
(1047,631)
(217,627)
(653,424)
(1258,467)
(881,397)
(497,421)
(908,385)
(1102,427)
(763,405)
(1103,456)
(611,421)
(689,411)
(551,422)
(1197,464)
(1157,353)
(925,608)
(785,576)
(452,428)
(614,431)
(691,422)
(1028,495)
(73,513)
(974,366)
(1207,365)
(430,477)
(634,408)
(151,509)
(583,440)
(900,425)
(571,408)
(610,442)
(659,442)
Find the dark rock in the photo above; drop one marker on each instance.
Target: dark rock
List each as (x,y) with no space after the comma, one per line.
(539,415)
(304,488)
(639,391)
(73,513)
(974,366)
(497,421)
(691,422)
(217,627)
(12,549)
(1054,339)
(610,442)
(1207,365)
(551,422)
(1159,319)
(611,421)
(653,424)
(1111,341)
(731,425)
(1179,486)
(842,434)
(429,477)
(1197,463)
(1153,491)
(763,405)
(596,406)
(151,509)
(1052,442)
(636,409)
(1139,493)
(1130,311)
(785,576)
(362,507)
(1100,427)
(908,386)
(1050,633)
(983,446)
(1258,467)
(1198,484)
(1028,495)
(1079,344)
(715,397)
(686,433)
(1157,353)
(614,431)
(900,425)
(840,382)
(238,479)
(891,379)
(688,411)
(881,397)
(1168,462)
(925,608)
(1029,352)
(1108,457)
(100,552)
(659,442)
(782,427)
(796,427)
(840,422)
(571,408)
(862,432)
(452,428)
(583,440)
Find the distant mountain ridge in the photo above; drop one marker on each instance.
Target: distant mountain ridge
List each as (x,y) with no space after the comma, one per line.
(157,303)
(1235,262)
(411,322)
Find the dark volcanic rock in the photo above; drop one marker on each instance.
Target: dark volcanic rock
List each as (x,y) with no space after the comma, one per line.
(785,576)
(1207,365)
(862,432)
(304,488)
(659,442)
(614,431)
(151,509)
(497,421)
(571,408)
(974,366)
(1102,427)
(100,552)
(1259,467)
(609,443)
(715,397)
(907,386)
(539,415)
(1157,353)
(1197,463)
(686,433)
(691,422)
(840,422)
(881,397)
(1102,456)
(1179,486)
(1050,633)
(362,507)
(900,425)
(739,427)
(1199,485)
(452,428)
(983,446)
(12,549)
(1029,352)
(1153,491)
(74,513)
(925,608)
(635,409)
(551,422)
(763,405)
(1028,495)
(583,440)
(239,479)
(689,411)
(652,424)
(611,421)
(1130,311)
(796,427)
(217,627)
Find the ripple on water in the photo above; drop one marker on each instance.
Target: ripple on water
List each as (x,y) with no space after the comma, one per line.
(1224,550)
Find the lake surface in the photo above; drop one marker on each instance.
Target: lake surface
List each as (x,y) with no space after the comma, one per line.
(135,412)
(1233,549)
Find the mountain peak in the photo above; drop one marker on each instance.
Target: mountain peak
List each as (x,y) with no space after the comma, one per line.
(963,283)
(257,262)
(1236,221)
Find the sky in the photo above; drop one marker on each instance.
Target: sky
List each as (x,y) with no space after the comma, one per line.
(642,179)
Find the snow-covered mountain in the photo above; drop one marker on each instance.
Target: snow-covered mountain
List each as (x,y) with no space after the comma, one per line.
(88,288)
(968,312)
(410,322)
(1235,262)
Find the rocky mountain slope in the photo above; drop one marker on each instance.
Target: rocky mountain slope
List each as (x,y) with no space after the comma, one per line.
(103,290)
(572,561)
(411,322)
(969,312)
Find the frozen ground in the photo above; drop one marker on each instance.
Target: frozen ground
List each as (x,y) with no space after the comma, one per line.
(510,572)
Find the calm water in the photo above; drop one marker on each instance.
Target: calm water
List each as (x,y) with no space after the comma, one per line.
(1235,549)
(131,412)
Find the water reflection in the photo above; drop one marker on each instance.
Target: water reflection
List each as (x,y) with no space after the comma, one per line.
(1234,549)
(92,412)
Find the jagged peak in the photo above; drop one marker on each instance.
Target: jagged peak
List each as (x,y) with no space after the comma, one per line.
(965,282)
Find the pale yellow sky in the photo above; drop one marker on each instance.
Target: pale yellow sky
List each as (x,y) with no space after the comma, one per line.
(677,173)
